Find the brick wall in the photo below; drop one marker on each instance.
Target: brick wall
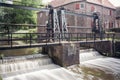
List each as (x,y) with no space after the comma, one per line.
(107,16)
(42,18)
(118,17)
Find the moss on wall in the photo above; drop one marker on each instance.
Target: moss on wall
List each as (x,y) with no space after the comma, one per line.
(0,78)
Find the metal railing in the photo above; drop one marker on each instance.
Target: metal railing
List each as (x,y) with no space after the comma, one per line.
(13,39)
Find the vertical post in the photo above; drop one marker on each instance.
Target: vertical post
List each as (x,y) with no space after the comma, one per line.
(56,26)
(59,37)
(63,24)
(11,40)
(71,36)
(77,36)
(8,32)
(94,36)
(30,39)
(113,45)
(94,39)
(26,38)
(113,37)
(86,37)
(107,36)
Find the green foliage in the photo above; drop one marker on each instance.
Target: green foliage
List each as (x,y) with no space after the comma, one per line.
(27,35)
(19,16)
(24,31)
(0,78)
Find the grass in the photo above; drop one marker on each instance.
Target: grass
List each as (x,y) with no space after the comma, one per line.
(0,78)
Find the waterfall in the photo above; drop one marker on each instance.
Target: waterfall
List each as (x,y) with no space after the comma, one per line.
(93,66)
(23,63)
(32,67)
(89,54)
(94,63)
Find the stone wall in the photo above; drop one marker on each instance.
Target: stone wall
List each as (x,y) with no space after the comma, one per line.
(65,54)
(117,48)
(107,16)
(118,17)
(104,47)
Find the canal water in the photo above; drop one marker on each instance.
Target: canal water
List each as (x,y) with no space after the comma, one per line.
(93,66)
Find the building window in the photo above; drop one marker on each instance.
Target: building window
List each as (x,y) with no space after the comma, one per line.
(77,6)
(82,6)
(92,8)
(110,12)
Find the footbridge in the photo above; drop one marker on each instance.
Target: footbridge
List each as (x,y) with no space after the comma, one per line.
(61,44)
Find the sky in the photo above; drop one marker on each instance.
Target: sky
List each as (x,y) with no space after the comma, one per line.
(46,1)
(114,2)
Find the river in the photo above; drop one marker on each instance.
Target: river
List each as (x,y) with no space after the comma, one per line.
(93,66)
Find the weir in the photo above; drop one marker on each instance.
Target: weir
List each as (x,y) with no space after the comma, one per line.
(62,49)
(38,67)
(23,64)
(41,67)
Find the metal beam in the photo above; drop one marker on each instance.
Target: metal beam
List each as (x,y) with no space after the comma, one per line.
(31,25)
(77,14)
(28,46)
(23,7)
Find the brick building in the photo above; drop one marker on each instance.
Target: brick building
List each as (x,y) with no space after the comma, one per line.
(118,17)
(84,23)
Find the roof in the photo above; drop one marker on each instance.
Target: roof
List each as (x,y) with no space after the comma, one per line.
(56,3)
(105,3)
(108,4)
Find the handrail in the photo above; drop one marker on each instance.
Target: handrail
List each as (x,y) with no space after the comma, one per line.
(34,38)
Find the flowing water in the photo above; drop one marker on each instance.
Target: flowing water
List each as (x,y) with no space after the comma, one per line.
(32,67)
(93,66)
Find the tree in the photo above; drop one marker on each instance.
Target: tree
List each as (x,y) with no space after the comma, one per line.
(25,16)
(20,16)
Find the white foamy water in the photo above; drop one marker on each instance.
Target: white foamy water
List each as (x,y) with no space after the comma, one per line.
(93,66)
(23,63)
(33,67)
(94,61)
(53,74)
(89,54)
(105,63)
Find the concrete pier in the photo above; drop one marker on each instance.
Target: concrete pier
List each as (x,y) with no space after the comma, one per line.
(65,54)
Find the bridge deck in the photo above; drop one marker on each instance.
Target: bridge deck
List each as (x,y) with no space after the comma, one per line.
(44,44)
(28,45)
